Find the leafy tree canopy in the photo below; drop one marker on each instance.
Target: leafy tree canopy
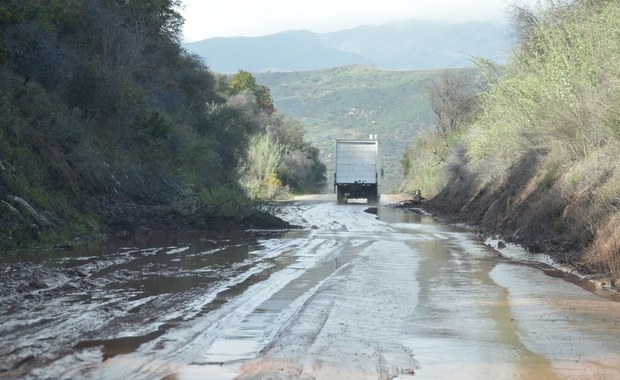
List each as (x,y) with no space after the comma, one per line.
(245,81)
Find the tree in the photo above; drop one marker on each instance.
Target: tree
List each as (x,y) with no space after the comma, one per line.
(301,168)
(240,82)
(524,21)
(452,102)
(245,81)
(159,17)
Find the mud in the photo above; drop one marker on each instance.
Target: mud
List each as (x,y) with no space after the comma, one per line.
(359,292)
(520,208)
(60,302)
(126,219)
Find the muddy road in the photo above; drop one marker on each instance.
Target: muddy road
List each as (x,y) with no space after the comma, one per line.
(357,293)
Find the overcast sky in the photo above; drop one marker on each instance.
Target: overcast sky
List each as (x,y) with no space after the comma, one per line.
(225,18)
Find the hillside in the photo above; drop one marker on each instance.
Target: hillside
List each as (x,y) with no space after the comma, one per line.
(538,164)
(107,125)
(411,45)
(356,101)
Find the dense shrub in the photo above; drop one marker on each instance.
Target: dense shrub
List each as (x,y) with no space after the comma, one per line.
(98,100)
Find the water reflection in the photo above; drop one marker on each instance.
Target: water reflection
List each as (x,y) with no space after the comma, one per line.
(395,215)
(455,304)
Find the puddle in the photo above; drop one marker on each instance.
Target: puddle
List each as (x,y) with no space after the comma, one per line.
(122,345)
(369,292)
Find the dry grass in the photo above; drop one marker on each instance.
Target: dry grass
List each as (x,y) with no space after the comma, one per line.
(605,252)
(566,111)
(596,183)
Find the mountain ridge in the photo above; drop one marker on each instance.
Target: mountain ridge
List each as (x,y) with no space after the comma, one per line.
(403,45)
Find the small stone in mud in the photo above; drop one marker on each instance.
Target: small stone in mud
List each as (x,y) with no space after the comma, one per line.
(501,244)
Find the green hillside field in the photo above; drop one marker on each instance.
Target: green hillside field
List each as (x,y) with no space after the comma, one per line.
(355,102)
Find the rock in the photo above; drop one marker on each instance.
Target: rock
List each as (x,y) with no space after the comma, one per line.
(501,244)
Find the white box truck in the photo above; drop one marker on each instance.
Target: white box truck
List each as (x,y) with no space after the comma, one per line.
(357,170)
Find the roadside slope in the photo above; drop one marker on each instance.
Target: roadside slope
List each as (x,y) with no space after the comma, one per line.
(538,163)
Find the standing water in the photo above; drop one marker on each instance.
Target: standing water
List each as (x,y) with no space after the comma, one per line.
(355,294)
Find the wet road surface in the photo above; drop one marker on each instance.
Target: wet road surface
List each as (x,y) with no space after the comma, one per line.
(355,294)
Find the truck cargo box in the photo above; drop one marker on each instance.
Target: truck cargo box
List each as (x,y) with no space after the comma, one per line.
(357,169)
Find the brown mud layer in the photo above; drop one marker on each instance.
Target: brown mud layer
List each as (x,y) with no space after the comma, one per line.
(127,218)
(520,209)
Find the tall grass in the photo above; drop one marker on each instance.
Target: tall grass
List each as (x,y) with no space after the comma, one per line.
(559,99)
(559,92)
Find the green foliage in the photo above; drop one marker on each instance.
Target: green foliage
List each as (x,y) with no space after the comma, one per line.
(277,145)
(555,104)
(550,97)
(425,161)
(37,184)
(356,101)
(263,98)
(100,101)
(244,81)
(281,150)
(551,174)
(274,187)
(264,156)
(301,169)
(227,201)
(231,129)
(159,17)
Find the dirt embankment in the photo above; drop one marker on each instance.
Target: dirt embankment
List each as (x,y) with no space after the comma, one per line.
(125,218)
(521,208)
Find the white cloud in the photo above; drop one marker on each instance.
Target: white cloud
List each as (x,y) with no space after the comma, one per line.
(224,18)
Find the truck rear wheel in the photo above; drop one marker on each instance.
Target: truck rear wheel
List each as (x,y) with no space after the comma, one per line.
(340,196)
(373,197)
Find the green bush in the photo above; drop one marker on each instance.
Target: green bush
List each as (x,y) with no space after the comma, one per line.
(258,171)
(227,202)
(99,100)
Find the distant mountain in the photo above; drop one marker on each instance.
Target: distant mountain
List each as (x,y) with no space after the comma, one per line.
(286,51)
(411,45)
